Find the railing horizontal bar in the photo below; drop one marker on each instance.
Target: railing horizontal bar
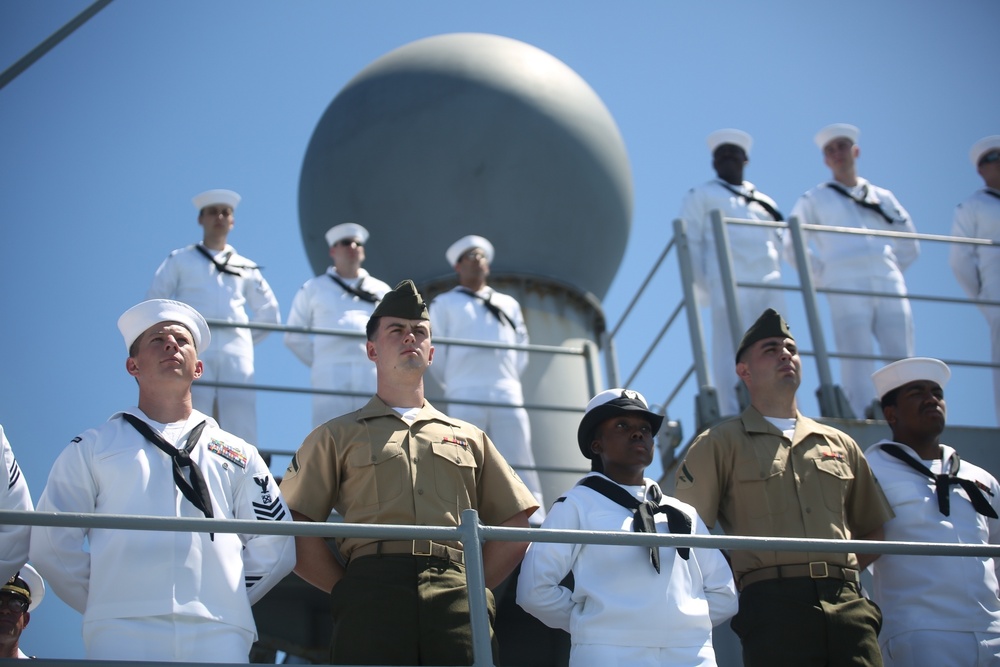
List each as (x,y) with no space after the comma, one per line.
(437,400)
(942,238)
(463,342)
(497,533)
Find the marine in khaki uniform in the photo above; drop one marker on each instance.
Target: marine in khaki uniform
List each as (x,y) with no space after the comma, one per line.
(398,460)
(773,472)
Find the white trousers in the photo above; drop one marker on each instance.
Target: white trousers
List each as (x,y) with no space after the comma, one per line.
(171,638)
(234,409)
(510,431)
(345,376)
(993,319)
(859,321)
(605,655)
(940,648)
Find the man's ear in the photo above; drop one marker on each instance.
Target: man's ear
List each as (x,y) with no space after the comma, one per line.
(370,350)
(199,369)
(131,367)
(889,412)
(742,370)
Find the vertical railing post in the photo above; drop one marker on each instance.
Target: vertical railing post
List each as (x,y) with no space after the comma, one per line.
(727,277)
(832,402)
(610,361)
(475,579)
(590,356)
(706,402)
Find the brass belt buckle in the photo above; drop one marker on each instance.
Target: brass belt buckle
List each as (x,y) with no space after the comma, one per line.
(421,548)
(818,570)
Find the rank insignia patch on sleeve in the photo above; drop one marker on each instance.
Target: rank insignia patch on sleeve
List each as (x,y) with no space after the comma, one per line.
(269,508)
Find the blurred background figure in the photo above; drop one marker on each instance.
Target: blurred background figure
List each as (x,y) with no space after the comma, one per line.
(857,262)
(14,495)
(475,311)
(756,252)
(978,268)
(342,298)
(220,284)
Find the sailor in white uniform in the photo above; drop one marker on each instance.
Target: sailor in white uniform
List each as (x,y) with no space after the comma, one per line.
(977,268)
(756,251)
(163,595)
(14,495)
(857,262)
(937,610)
(343,299)
(221,284)
(475,311)
(19,596)
(628,605)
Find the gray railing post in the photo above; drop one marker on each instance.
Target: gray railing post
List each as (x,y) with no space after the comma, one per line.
(590,359)
(706,402)
(610,360)
(734,317)
(475,578)
(832,402)
(728,280)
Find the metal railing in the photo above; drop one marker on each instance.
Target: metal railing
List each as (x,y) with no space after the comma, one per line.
(472,534)
(586,352)
(832,402)
(581,351)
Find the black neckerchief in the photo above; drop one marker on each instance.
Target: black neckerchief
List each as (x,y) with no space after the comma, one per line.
(643,518)
(356,291)
(991,192)
(775,213)
(223,267)
(501,316)
(944,482)
(195,490)
(864,203)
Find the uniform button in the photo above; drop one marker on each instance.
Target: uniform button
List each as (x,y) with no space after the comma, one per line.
(762,475)
(415,459)
(420,492)
(458,460)
(808,510)
(373,459)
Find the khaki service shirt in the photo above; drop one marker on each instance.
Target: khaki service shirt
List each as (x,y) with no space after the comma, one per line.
(373,467)
(744,473)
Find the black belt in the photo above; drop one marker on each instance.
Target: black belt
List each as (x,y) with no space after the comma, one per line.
(814,570)
(410,547)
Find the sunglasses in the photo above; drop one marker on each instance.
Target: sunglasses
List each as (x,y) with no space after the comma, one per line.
(14,603)
(990,157)
(213,211)
(347,243)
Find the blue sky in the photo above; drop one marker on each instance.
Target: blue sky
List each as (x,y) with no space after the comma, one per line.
(104,141)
